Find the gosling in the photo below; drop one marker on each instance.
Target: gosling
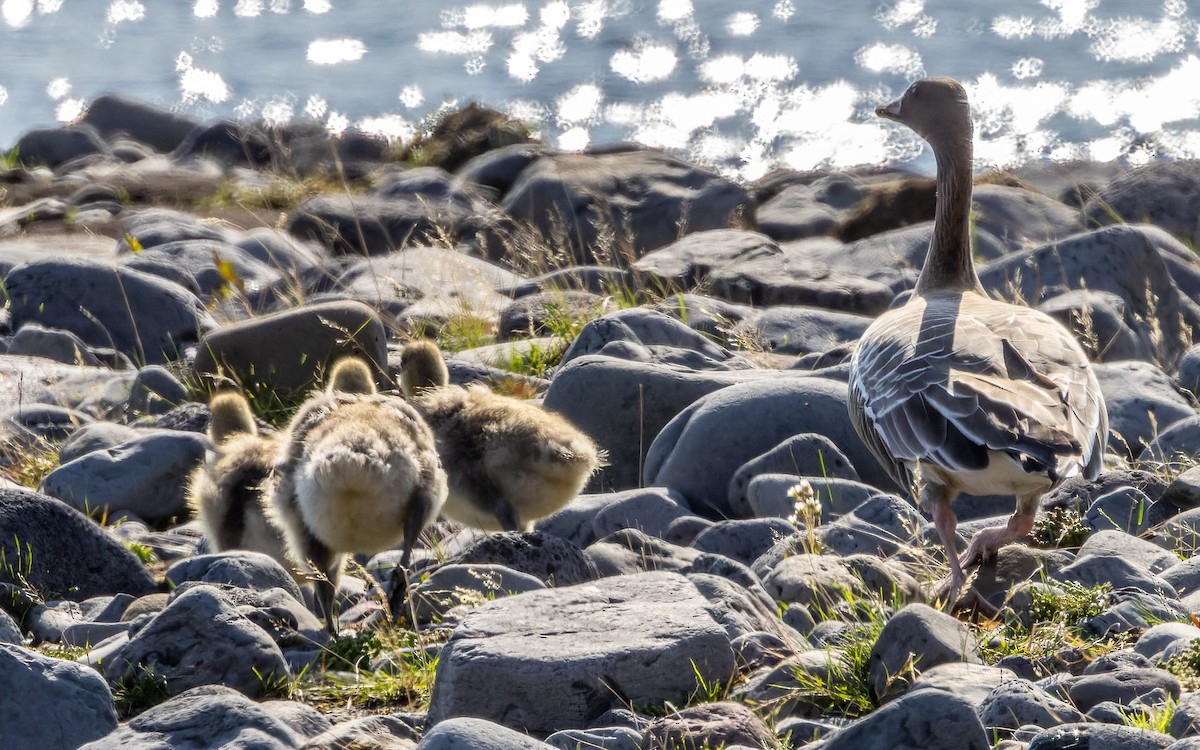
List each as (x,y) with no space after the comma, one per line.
(228,494)
(358,472)
(509,462)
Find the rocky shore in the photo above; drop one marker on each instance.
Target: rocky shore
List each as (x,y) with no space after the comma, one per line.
(740,573)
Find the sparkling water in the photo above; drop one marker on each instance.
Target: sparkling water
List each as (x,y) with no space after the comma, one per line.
(744,85)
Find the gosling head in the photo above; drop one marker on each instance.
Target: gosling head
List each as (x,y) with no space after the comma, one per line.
(351,375)
(231,416)
(422,367)
(936,108)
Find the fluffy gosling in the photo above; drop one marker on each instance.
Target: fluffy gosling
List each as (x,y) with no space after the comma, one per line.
(228,493)
(509,462)
(358,472)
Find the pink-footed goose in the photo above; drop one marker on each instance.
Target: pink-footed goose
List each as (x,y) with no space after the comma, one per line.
(955,392)
(358,472)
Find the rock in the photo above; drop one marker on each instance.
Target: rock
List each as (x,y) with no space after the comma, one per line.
(640,639)
(211,716)
(1122,686)
(1013,565)
(1161,642)
(1022,218)
(806,454)
(1137,552)
(589,517)
(1105,260)
(750,418)
(824,582)
(53,147)
(973,682)
(542,313)
(153,227)
(452,585)
(550,559)
(1185,722)
(1019,703)
(623,405)
(229,143)
(114,115)
(742,540)
(601,738)
(1177,444)
(467,733)
(146,476)
(204,266)
(1098,737)
(1135,609)
(915,639)
(367,733)
(38,688)
(10,632)
(65,555)
(1127,510)
(631,551)
(199,639)
(1116,571)
(93,437)
(883,525)
(1158,193)
(242,568)
(1098,321)
(688,261)
(801,330)
(712,317)
(291,349)
(654,336)
(95,300)
(807,273)
(499,168)
(1078,493)
(1141,400)
(1187,370)
(599,204)
(767,496)
(1184,577)
(718,724)
(925,720)
(155,391)
(62,346)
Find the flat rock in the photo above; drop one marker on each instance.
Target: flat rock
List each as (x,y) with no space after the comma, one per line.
(559,658)
(241,568)
(925,720)
(915,639)
(1022,218)
(95,300)
(801,330)
(146,476)
(51,703)
(1141,401)
(883,525)
(548,558)
(1099,737)
(806,454)
(1159,193)
(717,724)
(1018,703)
(749,419)
(647,334)
(292,349)
(1122,686)
(688,261)
(212,716)
(199,639)
(469,733)
(649,199)
(68,556)
(589,517)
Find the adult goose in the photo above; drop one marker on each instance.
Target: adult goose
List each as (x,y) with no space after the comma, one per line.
(955,392)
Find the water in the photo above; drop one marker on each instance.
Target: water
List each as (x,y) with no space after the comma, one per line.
(745,85)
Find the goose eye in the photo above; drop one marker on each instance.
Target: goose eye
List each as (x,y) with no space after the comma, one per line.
(914,89)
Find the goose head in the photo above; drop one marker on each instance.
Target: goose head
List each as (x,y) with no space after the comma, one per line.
(936,109)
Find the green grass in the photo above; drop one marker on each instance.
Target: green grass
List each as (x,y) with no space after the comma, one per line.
(1186,666)
(706,691)
(1060,527)
(136,693)
(28,465)
(1057,616)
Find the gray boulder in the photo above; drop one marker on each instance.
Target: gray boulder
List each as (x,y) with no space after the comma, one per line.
(199,639)
(742,540)
(37,340)
(214,716)
(825,582)
(119,115)
(560,658)
(807,454)
(62,554)
(10,632)
(1160,193)
(688,261)
(1123,260)
(1138,552)
(1122,686)
(241,568)
(801,330)
(974,682)
(1018,703)
(1098,320)
(146,476)
(925,720)
(453,585)
(767,496)
(1126,509)
(603,205)
(1141,401)
(646,334)
(51,703)
(1178,443)
(290,350)
(142,316)
(746,420)
(53,147)
(1099,737)
(718,724)
(469,733)
(379,732)
(917,638)
(550,559)
(588,517)
(622,405)
(1161,642)
(883,525)
(1022,218)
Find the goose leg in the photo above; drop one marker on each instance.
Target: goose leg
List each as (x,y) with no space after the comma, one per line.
(987,542)
(937,499)
(327,568)
(506,514)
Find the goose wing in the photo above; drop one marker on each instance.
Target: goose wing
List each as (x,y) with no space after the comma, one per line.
(948,380)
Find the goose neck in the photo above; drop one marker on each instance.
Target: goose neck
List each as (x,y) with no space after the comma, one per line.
(949,265)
